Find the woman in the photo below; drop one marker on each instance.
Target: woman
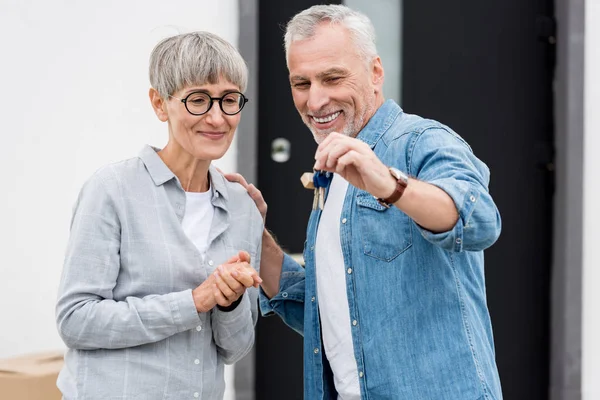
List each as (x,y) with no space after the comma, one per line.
(151,302)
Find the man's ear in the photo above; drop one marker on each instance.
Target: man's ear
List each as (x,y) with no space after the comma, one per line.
(158,104)
(377,73)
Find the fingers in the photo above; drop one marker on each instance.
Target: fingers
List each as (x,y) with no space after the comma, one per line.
(244,256)
(233,259)
(239,276)
(252,190)
(349,158)
(334,147)
(220,297)
(229,287)
(234,177)
(260,202)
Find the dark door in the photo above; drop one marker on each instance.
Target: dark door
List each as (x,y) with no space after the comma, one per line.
(279,372)
(485,69)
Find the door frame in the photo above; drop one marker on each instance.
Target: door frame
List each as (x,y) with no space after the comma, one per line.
(566,284)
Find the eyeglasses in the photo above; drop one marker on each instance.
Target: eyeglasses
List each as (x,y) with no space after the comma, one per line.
(198,103)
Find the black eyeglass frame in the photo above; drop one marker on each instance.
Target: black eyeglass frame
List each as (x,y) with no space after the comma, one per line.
(212,100)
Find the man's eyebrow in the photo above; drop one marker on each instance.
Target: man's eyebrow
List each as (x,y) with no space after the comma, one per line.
(331,71)
(298,78)
(320,75)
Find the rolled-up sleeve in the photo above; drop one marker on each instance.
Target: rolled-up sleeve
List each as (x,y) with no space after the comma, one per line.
(87,315)
(288,303)
(443,159)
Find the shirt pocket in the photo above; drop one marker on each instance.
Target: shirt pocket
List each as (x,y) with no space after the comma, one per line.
(385,233)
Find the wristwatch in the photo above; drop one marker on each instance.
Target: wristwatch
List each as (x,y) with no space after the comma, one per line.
(401,184)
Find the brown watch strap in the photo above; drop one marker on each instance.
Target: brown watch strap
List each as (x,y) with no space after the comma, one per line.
(398,192)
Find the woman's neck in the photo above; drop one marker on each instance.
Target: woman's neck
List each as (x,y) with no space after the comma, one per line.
(191,172)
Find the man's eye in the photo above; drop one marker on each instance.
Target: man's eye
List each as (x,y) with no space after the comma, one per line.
(301,85)
(333,79)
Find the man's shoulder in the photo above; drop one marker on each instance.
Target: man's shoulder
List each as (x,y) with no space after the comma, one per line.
(410,127)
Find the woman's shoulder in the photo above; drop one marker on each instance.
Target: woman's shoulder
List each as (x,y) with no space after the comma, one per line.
(115,175)
(237,196)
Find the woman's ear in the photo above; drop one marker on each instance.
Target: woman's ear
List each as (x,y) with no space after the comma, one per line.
(158,104)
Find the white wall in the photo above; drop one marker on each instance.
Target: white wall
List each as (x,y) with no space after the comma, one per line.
(591,212)
(74,97)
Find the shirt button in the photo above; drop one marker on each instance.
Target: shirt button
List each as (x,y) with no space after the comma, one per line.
(344,220)
(355,322)
(316,351)
(472,198)
(312,299)
(198,328)
(312,247)
(349,270)
(284,295)
(196,361)
(458,241)
(210,262)
(196,395)
(361,374)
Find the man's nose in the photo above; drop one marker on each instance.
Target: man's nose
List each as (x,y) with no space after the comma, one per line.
(317,98)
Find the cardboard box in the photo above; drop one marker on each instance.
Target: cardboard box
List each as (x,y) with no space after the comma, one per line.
(31,377)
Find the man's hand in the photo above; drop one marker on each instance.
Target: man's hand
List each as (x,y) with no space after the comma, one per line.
(355,162)
(252,190)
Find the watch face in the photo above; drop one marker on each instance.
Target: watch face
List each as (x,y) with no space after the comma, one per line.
(398,174)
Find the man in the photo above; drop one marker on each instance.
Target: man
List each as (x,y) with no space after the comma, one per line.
(391,301)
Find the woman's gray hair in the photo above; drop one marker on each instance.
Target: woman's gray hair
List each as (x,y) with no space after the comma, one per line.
(362,32)
(195,58)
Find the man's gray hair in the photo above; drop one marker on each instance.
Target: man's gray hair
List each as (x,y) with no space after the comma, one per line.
(195,58)
(362,32)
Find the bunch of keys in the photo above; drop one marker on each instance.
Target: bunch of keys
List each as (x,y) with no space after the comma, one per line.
(317,181)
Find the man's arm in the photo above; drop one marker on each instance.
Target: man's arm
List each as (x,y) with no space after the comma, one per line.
(449,199)
(270,264)
(426,204)
(283,279)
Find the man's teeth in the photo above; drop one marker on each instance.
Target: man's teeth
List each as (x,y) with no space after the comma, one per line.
(327,119)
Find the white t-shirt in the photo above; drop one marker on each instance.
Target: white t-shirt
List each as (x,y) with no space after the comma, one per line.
(198,217)
(333,299)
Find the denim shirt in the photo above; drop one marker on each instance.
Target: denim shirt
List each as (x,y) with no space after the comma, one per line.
(420,323)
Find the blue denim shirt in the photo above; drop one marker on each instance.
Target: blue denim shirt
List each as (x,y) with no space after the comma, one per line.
(423,329)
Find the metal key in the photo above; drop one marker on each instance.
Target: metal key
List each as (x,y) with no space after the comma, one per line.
(321,198)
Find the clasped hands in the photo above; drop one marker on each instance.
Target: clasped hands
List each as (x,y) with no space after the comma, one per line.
(226,284)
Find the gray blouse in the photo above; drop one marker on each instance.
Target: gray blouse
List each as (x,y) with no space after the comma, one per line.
(125,307)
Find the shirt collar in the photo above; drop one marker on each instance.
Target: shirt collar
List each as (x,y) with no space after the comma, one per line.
(160,173)
(379,123)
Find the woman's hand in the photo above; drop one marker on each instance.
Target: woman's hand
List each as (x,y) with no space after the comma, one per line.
(227,283)
(233,278)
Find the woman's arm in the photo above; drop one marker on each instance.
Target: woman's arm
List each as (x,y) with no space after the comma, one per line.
(88,317)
